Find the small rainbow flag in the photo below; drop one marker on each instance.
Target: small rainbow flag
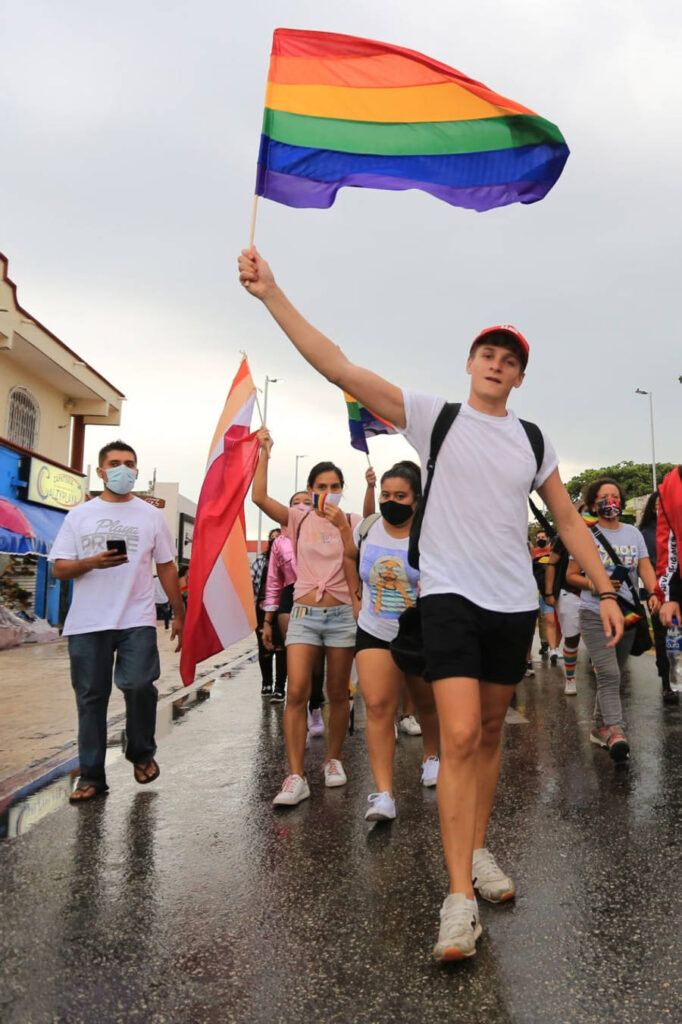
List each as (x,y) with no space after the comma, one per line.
(341,110)
(364,423)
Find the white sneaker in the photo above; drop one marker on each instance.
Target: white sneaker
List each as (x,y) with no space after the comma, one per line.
(570,688)
(381,807)
(460,926)
(489,879)
(410,726)
(555,655)
(315,723)
(430,772)
(294,789)
(334,774)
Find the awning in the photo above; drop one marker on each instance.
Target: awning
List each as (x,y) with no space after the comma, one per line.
(45,522)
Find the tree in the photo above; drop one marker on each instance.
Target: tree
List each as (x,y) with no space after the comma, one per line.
(633,477)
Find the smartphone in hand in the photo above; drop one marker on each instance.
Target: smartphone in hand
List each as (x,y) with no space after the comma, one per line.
(118,545)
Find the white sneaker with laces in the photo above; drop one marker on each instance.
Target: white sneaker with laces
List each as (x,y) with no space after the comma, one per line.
(430,772)
(489,880)
(294,789)
(315,723)
(334,774)
(460,926)
(570,688)
(381,807)
(410,726)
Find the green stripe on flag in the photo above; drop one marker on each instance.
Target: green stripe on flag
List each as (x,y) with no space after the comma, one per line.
(410,139)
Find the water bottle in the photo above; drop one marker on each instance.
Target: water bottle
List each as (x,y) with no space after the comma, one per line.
(673,639)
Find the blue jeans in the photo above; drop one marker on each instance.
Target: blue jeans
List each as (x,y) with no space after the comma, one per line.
(132,656)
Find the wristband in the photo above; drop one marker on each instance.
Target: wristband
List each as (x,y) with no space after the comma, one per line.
(548,595)
(608,594)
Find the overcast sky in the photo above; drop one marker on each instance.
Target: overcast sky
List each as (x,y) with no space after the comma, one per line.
(129,141)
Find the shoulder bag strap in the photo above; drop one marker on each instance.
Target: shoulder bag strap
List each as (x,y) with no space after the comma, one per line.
(616,561)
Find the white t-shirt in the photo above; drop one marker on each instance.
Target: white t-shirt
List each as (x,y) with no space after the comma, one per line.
(122,597)
(389,583)
(474,539)
(630,546)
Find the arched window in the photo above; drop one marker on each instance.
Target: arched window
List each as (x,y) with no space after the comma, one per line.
(23,418)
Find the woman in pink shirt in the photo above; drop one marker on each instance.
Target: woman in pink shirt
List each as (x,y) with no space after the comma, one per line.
(322,615)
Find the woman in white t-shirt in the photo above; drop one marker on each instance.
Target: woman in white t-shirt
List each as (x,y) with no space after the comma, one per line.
(604,499)
(389,586)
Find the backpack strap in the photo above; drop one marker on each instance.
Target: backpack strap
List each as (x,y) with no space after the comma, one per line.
(363,529)
(537,442)
(446,417)
(542,519)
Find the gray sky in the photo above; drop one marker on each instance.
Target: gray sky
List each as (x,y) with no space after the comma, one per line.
(130,133)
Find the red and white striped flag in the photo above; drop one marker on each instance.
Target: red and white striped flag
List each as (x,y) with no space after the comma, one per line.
(220,607)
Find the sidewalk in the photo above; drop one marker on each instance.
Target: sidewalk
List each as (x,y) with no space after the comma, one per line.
(37,707)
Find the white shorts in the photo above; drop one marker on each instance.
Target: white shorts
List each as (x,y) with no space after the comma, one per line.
(568,612)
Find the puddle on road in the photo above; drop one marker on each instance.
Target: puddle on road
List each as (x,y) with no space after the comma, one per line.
(25,808)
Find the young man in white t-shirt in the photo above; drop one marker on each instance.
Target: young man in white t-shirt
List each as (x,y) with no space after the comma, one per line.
(479,598)
(106,546)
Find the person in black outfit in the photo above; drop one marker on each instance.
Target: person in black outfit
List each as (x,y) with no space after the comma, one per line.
(647,528)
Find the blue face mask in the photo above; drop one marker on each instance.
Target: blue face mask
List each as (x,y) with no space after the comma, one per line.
(120,479)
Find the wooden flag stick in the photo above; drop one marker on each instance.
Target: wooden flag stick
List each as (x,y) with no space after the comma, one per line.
(252,229)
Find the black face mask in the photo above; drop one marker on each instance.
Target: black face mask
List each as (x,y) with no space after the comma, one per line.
(541,543)
(395,513)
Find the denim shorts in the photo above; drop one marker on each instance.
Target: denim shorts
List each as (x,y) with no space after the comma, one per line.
(322,627)
(545,609)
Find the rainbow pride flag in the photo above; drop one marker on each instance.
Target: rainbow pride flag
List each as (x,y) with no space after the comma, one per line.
(364,423)
(341,110)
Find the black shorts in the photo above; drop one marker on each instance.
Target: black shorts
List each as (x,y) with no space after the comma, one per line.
(286,600)
(364,641)
(461,639)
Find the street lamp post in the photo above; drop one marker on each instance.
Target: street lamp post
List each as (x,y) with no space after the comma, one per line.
(268,381)
(641,391)
(296,473)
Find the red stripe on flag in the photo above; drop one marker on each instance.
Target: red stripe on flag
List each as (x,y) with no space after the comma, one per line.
(220,503)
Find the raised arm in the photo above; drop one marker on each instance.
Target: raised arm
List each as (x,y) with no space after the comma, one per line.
(369,504)
(327,358)
(259,491)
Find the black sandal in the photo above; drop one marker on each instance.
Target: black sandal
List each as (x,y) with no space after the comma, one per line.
(141,770)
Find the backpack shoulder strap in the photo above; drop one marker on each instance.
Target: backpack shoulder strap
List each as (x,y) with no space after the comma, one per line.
(366,525)
(537,442)
(364,528)
(542,519)
(446,417)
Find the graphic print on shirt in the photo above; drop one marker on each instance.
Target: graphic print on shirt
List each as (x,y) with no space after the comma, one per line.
(110,529)
(390,589)
(627,553)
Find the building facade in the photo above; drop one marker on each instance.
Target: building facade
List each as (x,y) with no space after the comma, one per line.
(48,395)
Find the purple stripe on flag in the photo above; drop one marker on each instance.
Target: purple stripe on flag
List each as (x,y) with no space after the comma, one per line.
(304,193)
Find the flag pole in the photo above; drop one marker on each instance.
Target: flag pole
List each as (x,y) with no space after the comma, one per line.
(252,229)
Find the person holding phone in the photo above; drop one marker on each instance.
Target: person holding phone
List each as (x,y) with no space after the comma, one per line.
(107,546)
(604,498)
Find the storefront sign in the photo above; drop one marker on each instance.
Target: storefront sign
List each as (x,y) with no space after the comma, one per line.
(50,485)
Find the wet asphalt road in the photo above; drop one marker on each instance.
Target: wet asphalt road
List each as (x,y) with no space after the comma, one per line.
(192,902)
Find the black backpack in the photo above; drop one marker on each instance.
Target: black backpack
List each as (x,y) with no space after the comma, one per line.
(446,417)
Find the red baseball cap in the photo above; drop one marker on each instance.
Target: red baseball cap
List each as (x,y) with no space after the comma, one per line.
(512,332)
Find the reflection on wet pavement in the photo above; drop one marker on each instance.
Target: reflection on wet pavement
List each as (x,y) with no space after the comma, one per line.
(193,902)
